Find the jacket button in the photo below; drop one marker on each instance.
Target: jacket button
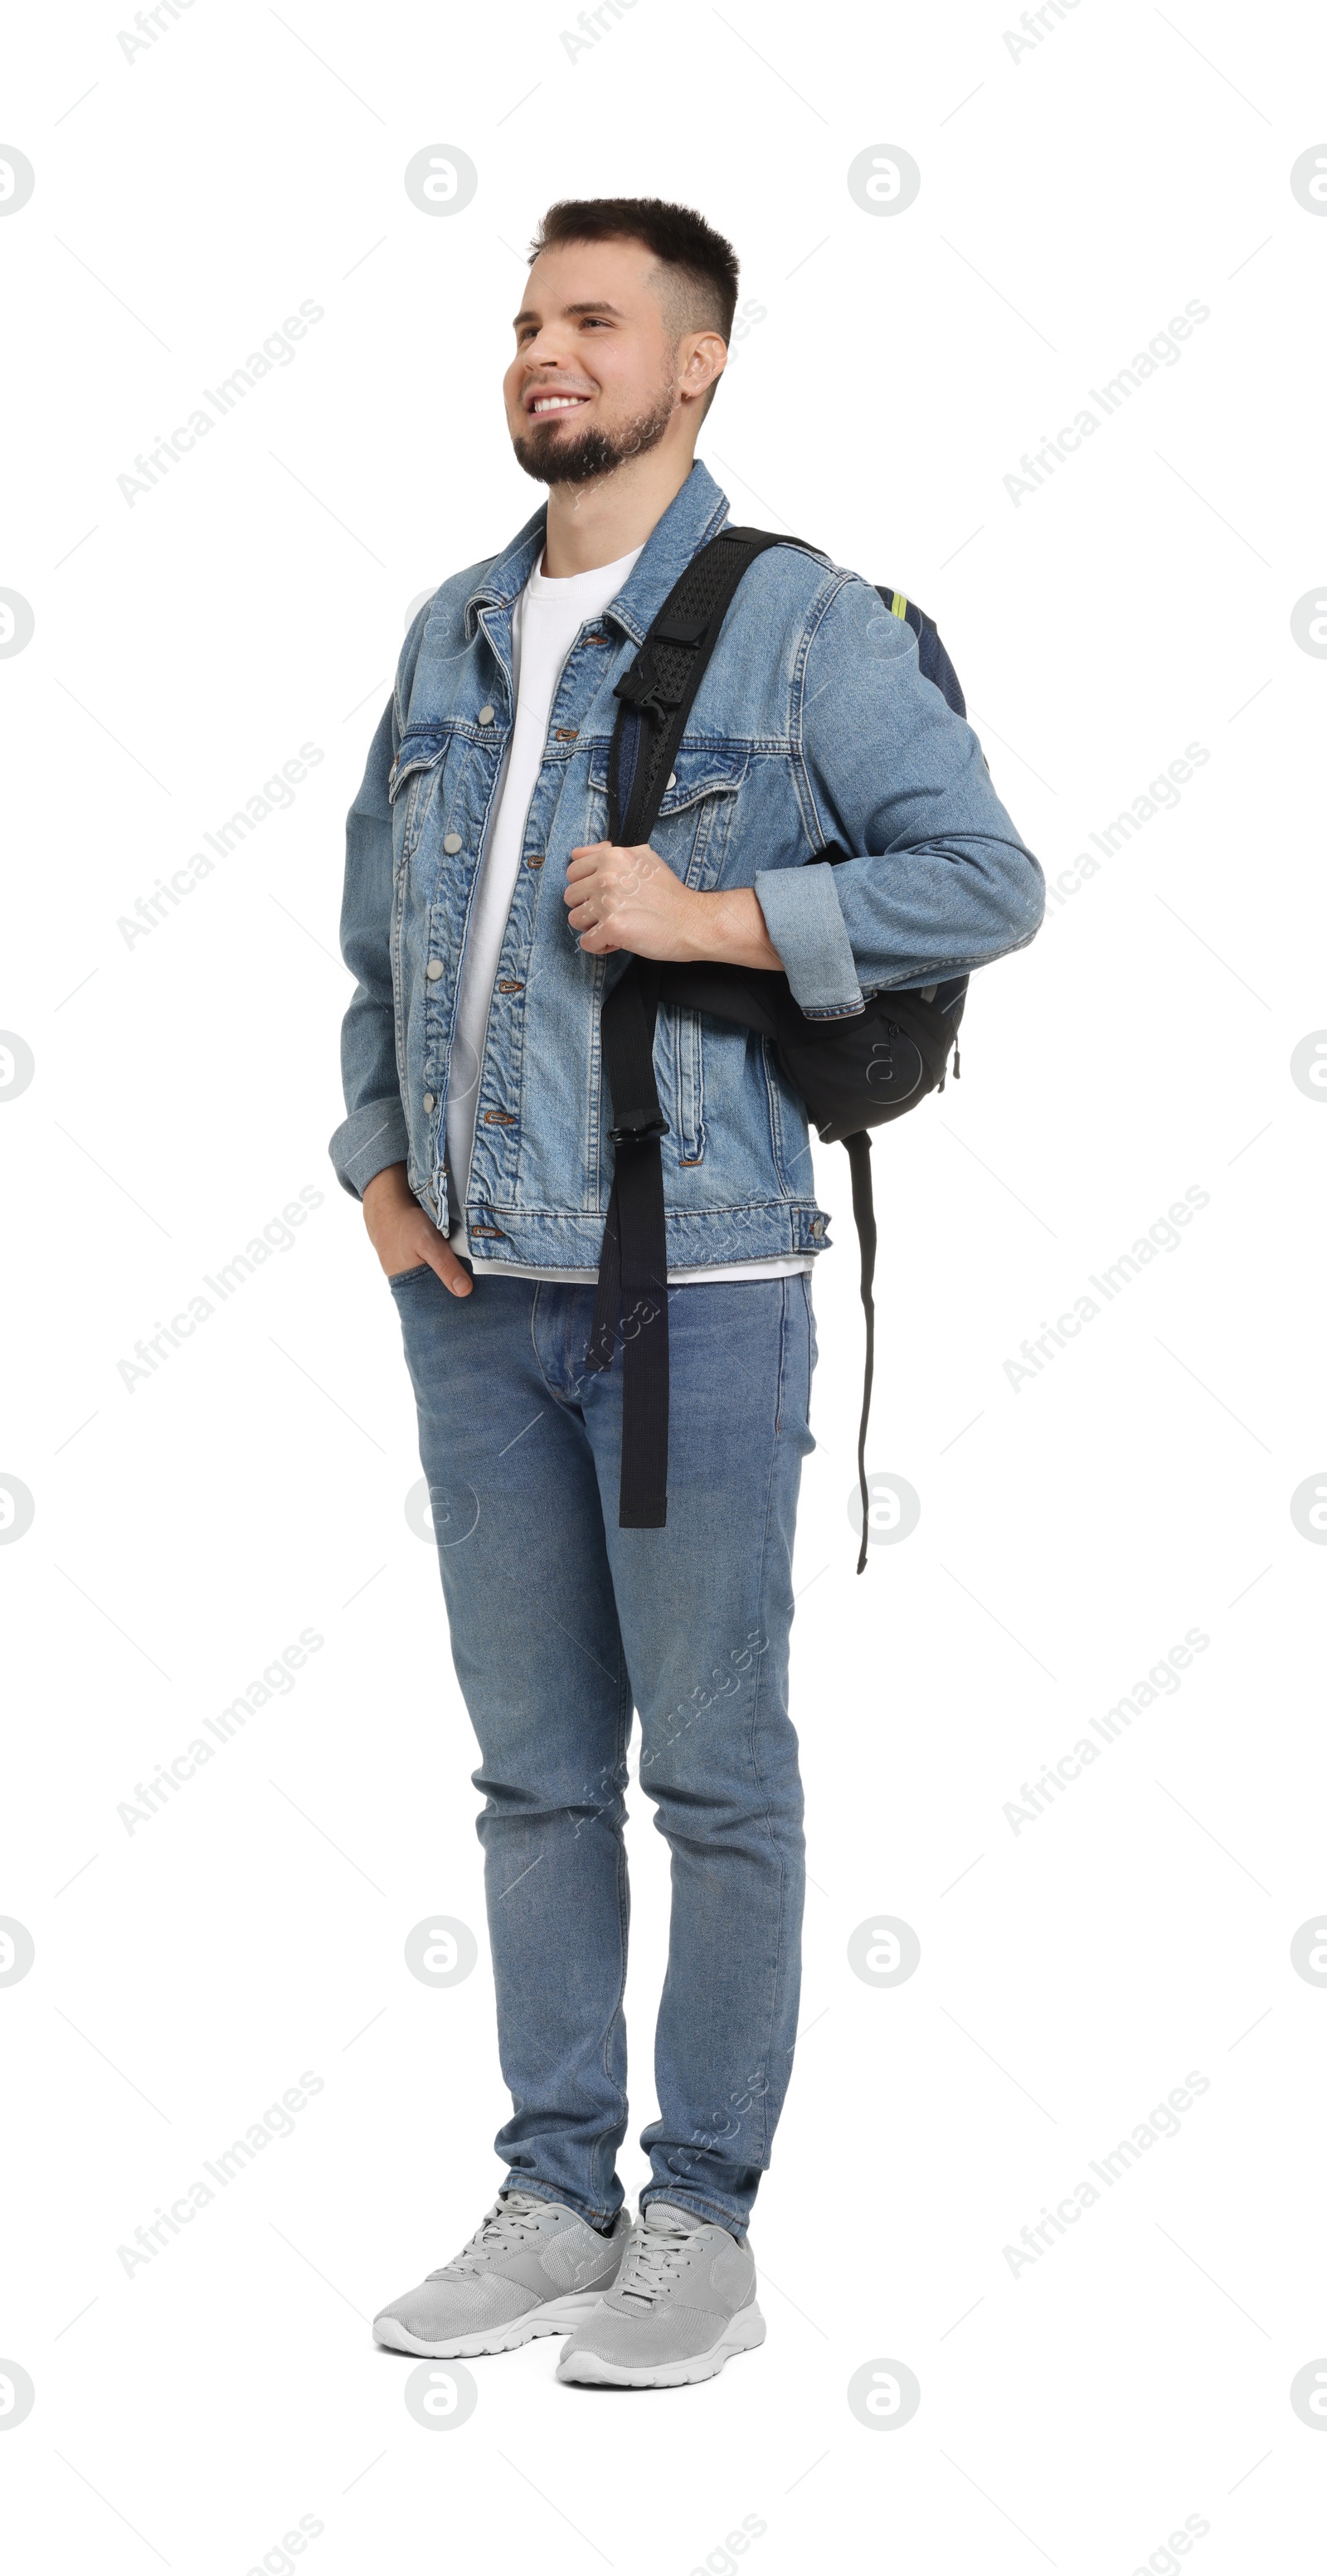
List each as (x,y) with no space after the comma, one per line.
(430,1104)
(566,733)
(433,969)
(486,715)
(451,843)
(672,778)
(536,859)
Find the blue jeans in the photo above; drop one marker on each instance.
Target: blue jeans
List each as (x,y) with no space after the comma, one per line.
(560,1623)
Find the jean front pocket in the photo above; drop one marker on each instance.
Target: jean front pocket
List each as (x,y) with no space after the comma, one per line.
(403,1278)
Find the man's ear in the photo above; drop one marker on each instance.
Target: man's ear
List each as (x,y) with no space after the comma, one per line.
(703,355)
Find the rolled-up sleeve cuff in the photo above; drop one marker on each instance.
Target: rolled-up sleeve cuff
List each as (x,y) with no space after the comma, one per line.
(806,925)
(369,1140)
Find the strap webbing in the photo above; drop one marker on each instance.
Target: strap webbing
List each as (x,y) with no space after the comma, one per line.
(657,693)
(633,1262)
(858,1151)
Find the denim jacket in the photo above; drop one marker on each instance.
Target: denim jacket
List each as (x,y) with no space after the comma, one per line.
(812,726)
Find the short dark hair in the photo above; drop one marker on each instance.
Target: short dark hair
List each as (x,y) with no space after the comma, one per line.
(679,238)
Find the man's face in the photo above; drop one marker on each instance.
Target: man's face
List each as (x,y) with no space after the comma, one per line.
(597,377)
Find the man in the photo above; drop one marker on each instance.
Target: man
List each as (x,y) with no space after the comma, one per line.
(485,917)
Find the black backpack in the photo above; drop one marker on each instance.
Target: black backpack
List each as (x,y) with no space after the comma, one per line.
(852,1074)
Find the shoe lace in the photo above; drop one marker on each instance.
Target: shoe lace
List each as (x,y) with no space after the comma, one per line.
(652,2257)
(506,2227)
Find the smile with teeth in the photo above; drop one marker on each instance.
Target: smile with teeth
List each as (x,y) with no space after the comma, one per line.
(557,402)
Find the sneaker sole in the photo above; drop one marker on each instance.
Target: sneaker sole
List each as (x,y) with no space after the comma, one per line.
(552,2317)
(743,2334)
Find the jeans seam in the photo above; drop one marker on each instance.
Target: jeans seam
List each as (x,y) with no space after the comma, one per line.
(762,2159)
(754,1738)
(623,1898)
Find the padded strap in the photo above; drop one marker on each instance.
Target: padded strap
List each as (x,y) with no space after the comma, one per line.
(658,690)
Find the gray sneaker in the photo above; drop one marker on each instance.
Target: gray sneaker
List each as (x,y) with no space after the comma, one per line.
(532,2268)
(684,2299)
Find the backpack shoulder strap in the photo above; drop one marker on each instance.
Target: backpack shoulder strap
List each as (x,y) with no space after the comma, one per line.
(658,690)
(656,696)
(933,661)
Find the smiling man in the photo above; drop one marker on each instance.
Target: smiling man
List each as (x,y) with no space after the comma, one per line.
(486,916)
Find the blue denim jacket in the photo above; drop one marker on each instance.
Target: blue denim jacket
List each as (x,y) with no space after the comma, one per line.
(811,726)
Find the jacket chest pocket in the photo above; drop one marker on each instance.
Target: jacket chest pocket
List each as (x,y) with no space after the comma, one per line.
(413,782)
(696,811)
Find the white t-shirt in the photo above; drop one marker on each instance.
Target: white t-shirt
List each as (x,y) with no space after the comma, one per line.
(545,623)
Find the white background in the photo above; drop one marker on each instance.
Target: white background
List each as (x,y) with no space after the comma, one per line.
(1073,198)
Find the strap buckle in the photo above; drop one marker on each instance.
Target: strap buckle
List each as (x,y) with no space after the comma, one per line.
(641,688)
(639,1130)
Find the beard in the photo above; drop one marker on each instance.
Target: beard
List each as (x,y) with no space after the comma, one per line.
(550,458)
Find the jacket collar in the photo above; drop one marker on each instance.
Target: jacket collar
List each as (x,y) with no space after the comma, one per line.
(695,515)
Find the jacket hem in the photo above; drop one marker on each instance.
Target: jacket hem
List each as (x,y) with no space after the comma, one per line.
(711,1238)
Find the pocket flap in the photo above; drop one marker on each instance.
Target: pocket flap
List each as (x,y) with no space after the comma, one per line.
(422,747)
(700,769)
